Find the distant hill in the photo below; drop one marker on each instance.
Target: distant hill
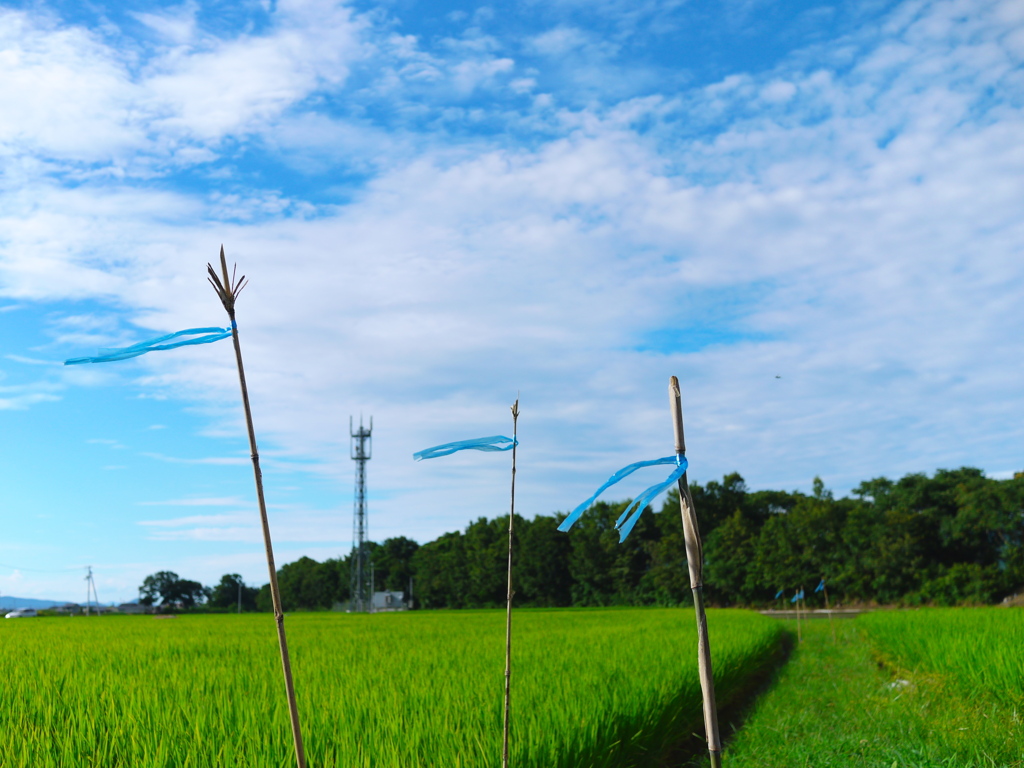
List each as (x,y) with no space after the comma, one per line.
(8,602)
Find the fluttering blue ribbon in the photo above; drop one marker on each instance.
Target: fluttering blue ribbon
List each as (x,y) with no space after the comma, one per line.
(624,525)
(161,342)
(798,596)
(820,587)
(493,443)
(779,594)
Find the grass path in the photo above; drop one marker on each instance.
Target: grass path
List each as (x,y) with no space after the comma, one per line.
(836,705)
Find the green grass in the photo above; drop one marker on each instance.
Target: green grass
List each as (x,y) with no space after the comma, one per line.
(980,650)
(840,705)
(590,687)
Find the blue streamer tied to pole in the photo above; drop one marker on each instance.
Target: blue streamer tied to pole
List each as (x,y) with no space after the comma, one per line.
(162,342)
(626,521)
(798,596)
(493,443)
(821,586)
(778,594)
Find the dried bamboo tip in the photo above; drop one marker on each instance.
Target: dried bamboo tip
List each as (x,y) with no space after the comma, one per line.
(227,288)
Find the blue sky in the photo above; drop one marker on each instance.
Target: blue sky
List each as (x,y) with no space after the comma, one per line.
(809,212)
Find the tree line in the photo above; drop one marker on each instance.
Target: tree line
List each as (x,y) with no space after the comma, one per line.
(954,538)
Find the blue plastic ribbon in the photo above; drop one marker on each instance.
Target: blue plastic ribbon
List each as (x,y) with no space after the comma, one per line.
(821,586)
(111,355)
(493,443)
(626,521)
(798,596)
(779,594)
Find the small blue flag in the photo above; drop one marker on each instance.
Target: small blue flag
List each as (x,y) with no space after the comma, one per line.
(623,525)
(161,342)
(779,594)
(821,586)
(494,443)
(798,596)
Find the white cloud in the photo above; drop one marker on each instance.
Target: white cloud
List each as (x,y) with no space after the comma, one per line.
(222,501)
(289,525)
(80,100)
(32,360)
(176,25)
(73,93)
(218,87)
(560,41)
(27,400)
(114,444)
(855,230)
(211,460)
(778,91)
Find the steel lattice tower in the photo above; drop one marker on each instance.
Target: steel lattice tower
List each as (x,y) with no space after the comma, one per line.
(362,589)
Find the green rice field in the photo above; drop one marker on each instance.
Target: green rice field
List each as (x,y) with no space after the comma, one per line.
(928,688)
(613,687)
(978,650)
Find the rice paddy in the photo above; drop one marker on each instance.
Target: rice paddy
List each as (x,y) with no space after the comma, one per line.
(611,687)
(978,650)
(900,689)
(597,688)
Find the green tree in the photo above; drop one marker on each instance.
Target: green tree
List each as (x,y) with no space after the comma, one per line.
(956,537)
(264,600)
(730,575)
(172,591)
(156,587)
(230,590)
(716,502)
(605,571)
(308,585)
(442,579)
(542,576)
(393,564)
(485,543)
(191,593)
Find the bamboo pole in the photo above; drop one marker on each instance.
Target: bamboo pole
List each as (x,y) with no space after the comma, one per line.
(695,563)
(824,588)
(799,636)
(228,290)
(508,609)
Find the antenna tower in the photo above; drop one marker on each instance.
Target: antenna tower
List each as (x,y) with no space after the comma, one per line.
(90,591)
(362,447)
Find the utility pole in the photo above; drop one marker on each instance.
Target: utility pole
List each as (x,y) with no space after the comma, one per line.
(361,449)
(239,595)
(90,590)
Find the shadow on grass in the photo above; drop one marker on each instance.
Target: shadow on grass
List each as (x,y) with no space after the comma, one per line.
(672,736)
(693,751)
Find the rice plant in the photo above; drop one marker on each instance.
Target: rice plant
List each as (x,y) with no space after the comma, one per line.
(595,688)
(977,649)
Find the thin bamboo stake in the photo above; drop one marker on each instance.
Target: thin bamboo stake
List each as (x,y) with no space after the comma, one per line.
(831,626)
(228,290)
(799,636)
(508,609)
(695,562)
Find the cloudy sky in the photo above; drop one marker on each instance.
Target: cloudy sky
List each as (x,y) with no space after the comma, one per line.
(810,212)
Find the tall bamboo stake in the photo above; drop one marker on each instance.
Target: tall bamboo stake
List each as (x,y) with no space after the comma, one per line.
(508,609)
(695,563)
(831,626)
(799,636)
(228,290)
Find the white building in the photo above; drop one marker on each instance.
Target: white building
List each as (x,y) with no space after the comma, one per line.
(387,601)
